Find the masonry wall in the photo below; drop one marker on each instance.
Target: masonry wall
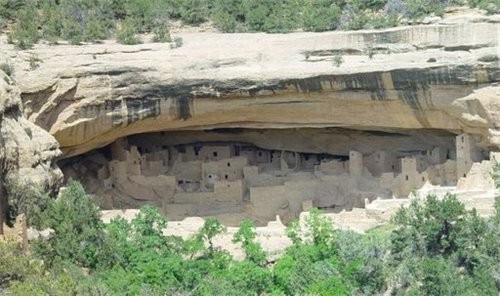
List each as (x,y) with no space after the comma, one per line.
(148,188)
(466,154)
(409,179)
(229,169)
(225,191)
(255,155)
(267,200)
(380,162)
(214,153)
(300,191)
(211,178)
(443,174)
(229,191)
(190,170)
(118,149)
(332,167)
(355,163)
(197,198)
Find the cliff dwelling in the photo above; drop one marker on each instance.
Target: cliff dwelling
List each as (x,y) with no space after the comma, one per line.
(238,131)
(242,173)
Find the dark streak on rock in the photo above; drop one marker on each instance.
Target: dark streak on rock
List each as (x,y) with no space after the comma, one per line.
(306,85)
(289,102)
(226,130)
(184,107)
(138,109)
(466,47)
(386,134)
(115,107)
(413,87)
(332,52)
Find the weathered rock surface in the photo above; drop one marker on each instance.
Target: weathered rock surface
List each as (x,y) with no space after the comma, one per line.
(429,77)
(25,148)
(27,152)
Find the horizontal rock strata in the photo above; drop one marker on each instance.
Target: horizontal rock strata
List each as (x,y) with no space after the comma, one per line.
(438,77)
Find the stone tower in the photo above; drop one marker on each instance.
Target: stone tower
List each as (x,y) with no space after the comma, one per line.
(466,154)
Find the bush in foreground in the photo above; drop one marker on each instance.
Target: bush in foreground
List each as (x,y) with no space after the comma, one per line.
(429,245)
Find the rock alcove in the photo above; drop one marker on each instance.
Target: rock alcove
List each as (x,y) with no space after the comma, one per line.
(249,173)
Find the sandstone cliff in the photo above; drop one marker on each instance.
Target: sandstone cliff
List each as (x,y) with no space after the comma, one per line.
(407,80)
(27,152)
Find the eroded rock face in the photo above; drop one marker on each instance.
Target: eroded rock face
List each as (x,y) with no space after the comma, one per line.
(435,77)
(27,152)
(385,107)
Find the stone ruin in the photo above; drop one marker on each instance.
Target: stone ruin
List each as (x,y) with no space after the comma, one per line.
(232,180)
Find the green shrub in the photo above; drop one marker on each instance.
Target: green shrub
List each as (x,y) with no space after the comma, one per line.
(26,198)
(25,31)
(95,29)
(370,52)
(491,6)
(338,60)
(319,229)
(428,228)
(193,12)
(271,16)
(34,62)
(20,274)
(435,241)
(51,22)
(72,31)
(356,21)
(94,20)
(144,15)
(82,20)
(364,259)
(127,34)
(178,42)
(246,236)
(161,33)
(9,8)
(415,9)
(247,278)
(229,15)
(8,68)
(211,228)
(431,244)
(368,4)
(381,21)
(225,22)
(356,17)
(320,15)
(256,13)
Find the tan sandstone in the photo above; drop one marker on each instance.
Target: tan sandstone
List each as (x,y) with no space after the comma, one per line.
(27,152)
(423,77)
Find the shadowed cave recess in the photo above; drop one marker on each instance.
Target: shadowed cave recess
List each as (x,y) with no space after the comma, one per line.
(232,174)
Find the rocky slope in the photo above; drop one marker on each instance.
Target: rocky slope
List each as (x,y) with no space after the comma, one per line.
(401,81)
(27,152)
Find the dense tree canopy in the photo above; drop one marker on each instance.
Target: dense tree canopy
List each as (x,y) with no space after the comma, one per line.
(432,247)
(91,20)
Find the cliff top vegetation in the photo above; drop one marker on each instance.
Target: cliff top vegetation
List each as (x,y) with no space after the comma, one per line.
(78,21)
